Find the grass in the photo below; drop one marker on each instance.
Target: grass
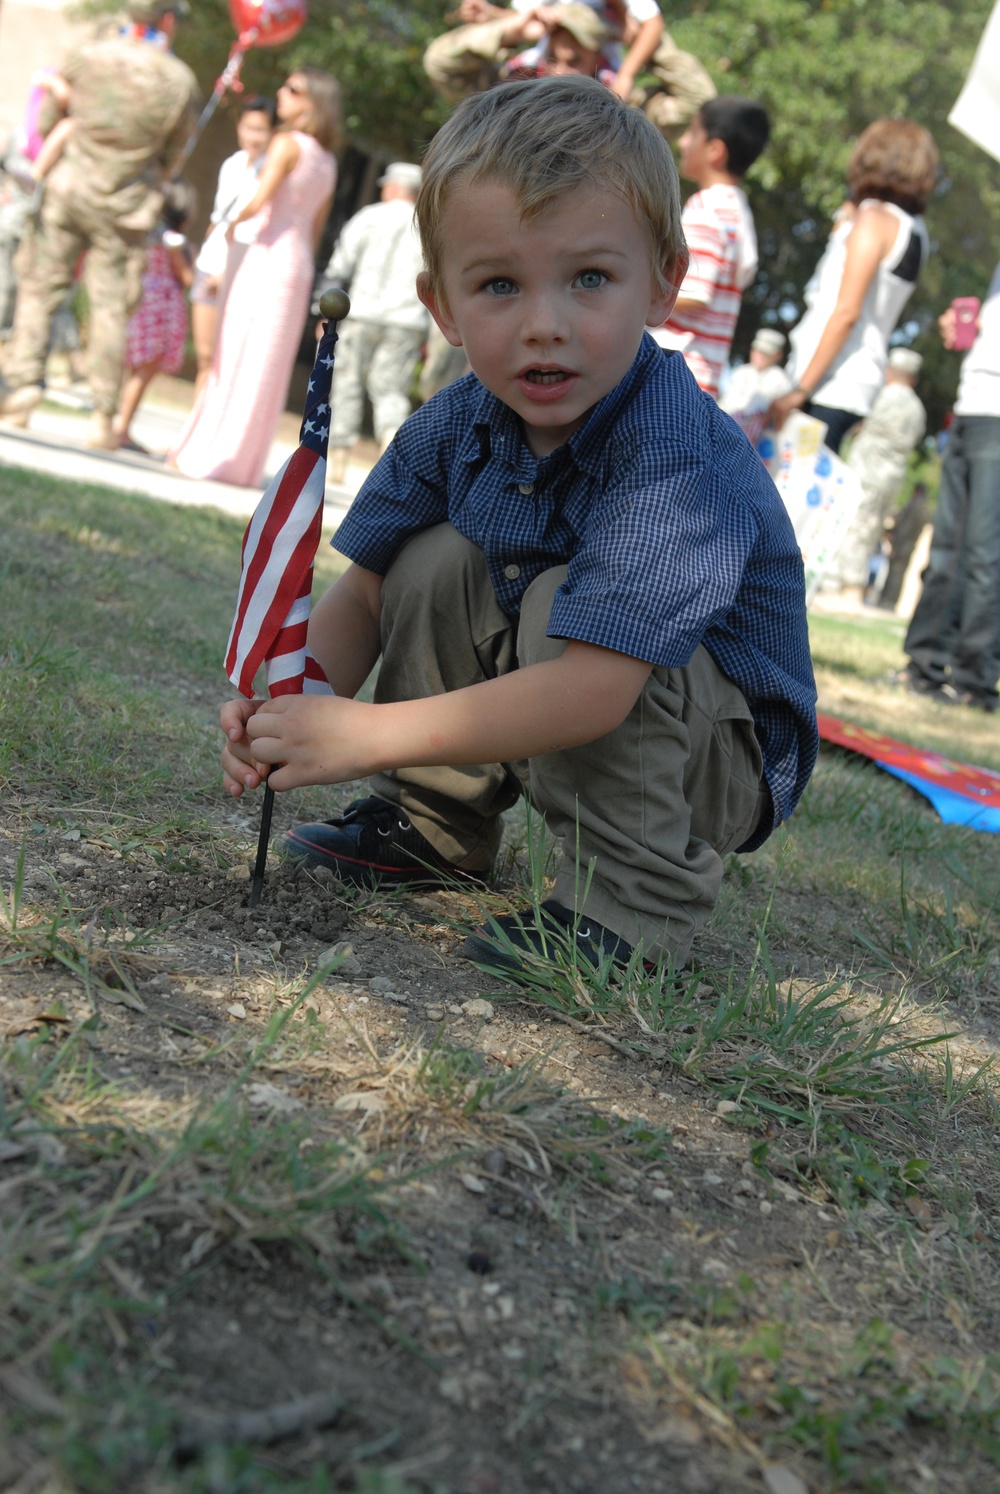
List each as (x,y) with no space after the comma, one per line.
(824,1044)
(751,1374)
(135,658)
(845,1079)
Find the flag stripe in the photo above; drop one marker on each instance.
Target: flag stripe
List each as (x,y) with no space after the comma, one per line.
(279,548)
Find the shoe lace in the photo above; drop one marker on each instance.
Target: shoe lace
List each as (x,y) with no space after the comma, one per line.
(563,920)
(376,814)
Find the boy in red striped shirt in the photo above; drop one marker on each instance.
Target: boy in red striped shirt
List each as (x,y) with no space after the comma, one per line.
(717,149)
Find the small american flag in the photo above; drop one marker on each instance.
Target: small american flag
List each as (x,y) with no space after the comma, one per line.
(279,547)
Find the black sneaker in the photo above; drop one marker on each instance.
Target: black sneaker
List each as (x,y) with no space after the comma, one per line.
(373,844)
(516,941)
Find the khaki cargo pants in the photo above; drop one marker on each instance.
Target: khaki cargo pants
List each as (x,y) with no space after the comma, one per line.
(648,811)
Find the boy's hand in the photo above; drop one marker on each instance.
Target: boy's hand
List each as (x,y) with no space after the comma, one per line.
(563,702)
(240,768)
(314,739)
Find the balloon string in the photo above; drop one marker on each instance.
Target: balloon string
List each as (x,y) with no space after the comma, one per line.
(228,78)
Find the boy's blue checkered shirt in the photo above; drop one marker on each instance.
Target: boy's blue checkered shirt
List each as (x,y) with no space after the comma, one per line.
(672,530)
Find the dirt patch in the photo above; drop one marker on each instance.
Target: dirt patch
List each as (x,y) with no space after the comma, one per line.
(564,1263)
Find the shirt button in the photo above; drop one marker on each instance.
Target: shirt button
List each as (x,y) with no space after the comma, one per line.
(525,488)
(512,572)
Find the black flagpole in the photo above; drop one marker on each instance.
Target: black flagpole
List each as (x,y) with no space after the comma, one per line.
(334,305)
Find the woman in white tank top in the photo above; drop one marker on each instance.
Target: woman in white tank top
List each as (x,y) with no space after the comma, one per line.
(864,279)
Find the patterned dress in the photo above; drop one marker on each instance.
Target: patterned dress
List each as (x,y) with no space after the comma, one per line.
(230,429)
(157,330)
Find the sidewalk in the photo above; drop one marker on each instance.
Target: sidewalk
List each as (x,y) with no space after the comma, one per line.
(55,443)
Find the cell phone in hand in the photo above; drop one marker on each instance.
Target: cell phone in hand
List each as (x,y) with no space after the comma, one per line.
(966,309)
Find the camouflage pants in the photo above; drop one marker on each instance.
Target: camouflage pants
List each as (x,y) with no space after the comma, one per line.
(682,86)
(468,60)
(879,485)
(116,257)
(381,360)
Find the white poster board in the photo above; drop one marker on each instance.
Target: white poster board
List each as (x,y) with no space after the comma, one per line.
(820,492)
(977,112)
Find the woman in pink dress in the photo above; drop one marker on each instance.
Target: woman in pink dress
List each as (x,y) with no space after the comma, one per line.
(232,425)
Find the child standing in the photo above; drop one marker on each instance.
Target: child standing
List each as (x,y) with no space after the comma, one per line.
(157,329)
(717,150)
(568,556)
(756,384)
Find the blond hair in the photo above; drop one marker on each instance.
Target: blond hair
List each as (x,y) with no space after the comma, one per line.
(543,138)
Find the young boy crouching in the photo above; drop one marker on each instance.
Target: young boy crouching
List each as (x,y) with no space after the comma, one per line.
(569,561)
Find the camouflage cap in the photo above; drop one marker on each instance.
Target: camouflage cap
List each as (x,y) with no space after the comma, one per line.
(582,23)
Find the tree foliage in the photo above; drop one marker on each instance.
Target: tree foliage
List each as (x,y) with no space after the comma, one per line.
(824,69)
(373,47)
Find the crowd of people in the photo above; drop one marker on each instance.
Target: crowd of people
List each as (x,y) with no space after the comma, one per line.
(109,198)
(123,112)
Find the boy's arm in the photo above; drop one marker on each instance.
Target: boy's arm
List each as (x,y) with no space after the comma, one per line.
(344,637)
(580,696)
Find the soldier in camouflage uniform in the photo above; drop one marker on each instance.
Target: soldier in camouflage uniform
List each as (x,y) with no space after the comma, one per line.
(893,428)
(475,56)
(133,106)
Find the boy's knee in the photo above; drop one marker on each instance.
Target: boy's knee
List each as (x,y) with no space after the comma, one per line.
(433,571)
(440,547)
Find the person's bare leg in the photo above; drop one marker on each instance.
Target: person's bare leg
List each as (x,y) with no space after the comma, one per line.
(137,382)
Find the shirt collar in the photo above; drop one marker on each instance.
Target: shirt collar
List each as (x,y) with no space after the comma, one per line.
(496,430)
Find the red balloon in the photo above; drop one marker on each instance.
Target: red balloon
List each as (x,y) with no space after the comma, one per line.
(267,23)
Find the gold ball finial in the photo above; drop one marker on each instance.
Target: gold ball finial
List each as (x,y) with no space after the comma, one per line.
(334,305)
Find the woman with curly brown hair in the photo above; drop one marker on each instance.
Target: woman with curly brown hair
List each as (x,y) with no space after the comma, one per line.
(864,279)
(230,430)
